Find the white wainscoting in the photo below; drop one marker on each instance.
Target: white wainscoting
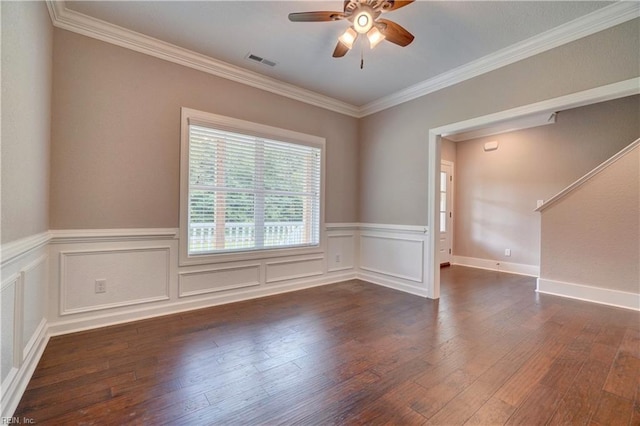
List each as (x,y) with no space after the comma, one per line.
(599,295)
(341,251)
(132,275)
(23,296)
(144,278)
(291,269)
(211,280)
(9,303)
(33,279)
(139,266)
(394,256)
(497,265)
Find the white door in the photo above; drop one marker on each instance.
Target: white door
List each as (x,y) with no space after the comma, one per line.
(446,211)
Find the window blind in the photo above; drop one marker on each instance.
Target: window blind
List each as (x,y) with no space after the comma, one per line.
(251,193)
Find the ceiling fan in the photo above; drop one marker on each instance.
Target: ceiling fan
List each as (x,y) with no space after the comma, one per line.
(364,18)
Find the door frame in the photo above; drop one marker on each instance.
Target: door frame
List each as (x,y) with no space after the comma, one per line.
(587,97)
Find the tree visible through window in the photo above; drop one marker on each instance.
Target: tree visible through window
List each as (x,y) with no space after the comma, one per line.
(251,193)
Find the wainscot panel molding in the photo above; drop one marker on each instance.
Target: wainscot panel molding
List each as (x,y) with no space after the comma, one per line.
(133,275)
(341,251)
(394,256)
(16,249)
(105,235)
(149,257)
(211,280)
(603,296)
(33,280)
(80,253)
(9,328)
(24,293)
(290,269)
(497,265)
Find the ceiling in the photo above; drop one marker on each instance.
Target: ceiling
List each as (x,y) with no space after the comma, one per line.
(448,36)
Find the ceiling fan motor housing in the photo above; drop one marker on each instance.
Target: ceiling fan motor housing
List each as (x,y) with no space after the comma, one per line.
(363,18)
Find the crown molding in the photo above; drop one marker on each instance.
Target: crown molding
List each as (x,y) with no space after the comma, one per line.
(584,26)
(71,20)
(594,22)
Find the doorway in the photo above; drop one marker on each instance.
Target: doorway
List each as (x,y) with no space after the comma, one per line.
(446,212)
(574,100)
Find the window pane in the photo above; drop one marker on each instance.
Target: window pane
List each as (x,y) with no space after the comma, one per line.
(443,222)
(201,206)
(443,181)
(443,201)
(288,169)
(248,193)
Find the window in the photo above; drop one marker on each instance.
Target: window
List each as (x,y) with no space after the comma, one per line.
(443,201)
(247,187)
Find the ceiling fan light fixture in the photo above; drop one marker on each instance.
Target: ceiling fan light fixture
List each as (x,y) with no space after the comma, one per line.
(375,36)
(348,37)
(363,22)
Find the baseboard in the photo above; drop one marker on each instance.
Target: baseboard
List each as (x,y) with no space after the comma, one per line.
(603,296)
(497,265)
(12,394)
(181,305)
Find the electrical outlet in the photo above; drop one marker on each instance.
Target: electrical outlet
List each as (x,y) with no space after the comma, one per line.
(337,258)
(101,286)
(507,252)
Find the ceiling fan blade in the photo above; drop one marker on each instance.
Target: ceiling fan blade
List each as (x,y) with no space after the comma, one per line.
(315,16)
(340,50)
(349,5)
(396,4)
(395,33)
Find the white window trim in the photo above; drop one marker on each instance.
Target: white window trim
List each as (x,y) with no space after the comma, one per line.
(192,116)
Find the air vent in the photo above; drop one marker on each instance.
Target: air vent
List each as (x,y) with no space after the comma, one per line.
(260,59)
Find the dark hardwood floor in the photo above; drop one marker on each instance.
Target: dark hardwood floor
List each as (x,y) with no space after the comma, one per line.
(490,351)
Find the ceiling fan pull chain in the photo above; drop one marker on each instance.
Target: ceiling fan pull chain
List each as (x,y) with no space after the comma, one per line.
(361,58)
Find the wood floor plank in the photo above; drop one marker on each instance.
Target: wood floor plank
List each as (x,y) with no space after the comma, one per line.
(521,383)
(635,413)
(463,407)
(580,401)
(624,376)
(612,410)
(537,408)
(489,351)
(493,412)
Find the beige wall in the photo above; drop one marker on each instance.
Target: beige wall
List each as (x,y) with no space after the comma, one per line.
(496,191)
(115,131)
(448,150)
(599,247)
(393,143)
(26,118)
(116,135)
